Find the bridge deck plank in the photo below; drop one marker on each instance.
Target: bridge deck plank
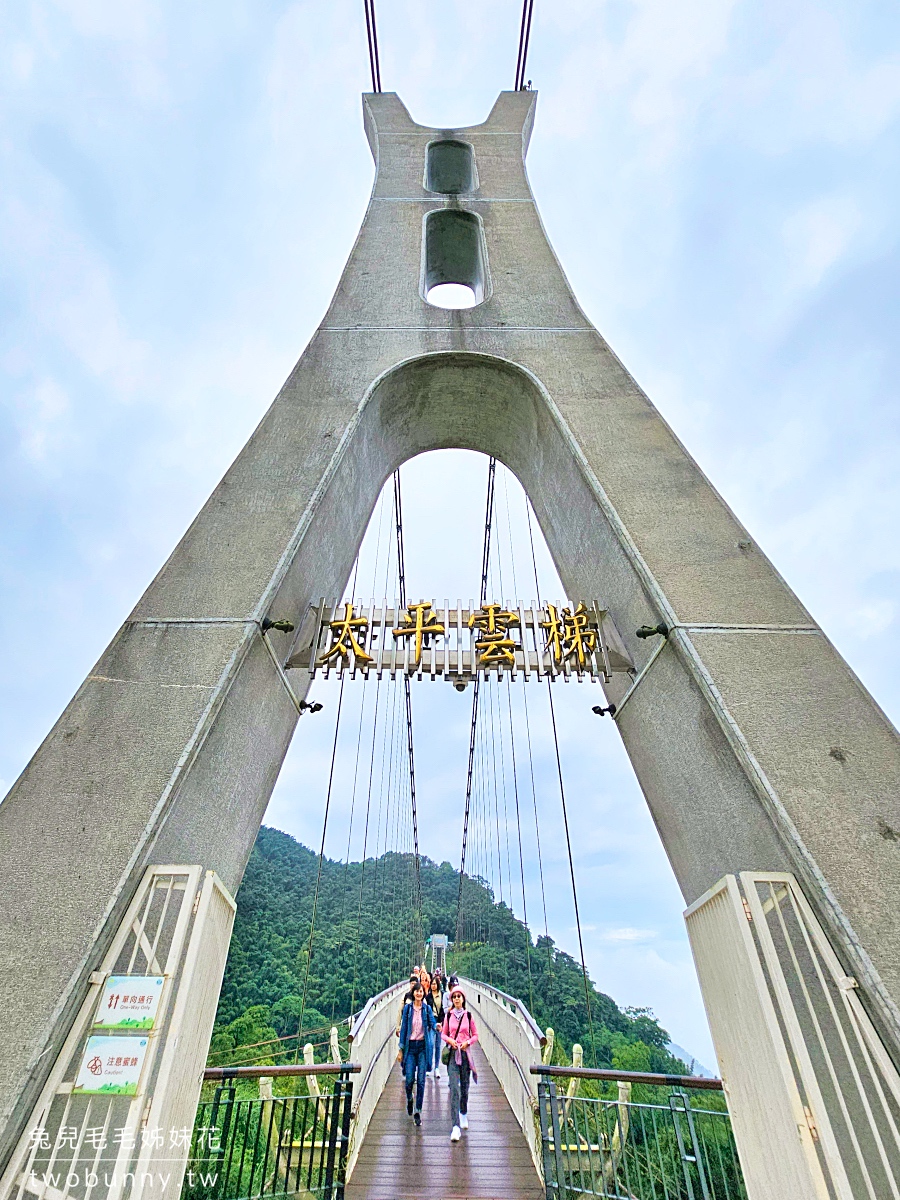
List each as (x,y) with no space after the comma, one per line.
(491,1162)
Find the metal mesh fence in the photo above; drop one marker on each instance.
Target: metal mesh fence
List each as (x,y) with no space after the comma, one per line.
(269,1148)
(671,1150)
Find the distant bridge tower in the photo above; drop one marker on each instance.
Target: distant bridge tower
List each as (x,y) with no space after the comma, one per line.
(437,944)
(756,747)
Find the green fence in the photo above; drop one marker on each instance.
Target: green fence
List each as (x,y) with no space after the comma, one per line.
(270,1149)
(678,1148)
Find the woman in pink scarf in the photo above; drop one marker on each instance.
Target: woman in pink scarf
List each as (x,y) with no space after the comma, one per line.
(459,1032)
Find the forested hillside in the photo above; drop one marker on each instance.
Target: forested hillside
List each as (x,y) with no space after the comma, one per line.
(364,941)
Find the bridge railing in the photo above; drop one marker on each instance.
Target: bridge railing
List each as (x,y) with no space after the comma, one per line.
(271,1147)
(373,1044)
(679,1146)
(512,1042)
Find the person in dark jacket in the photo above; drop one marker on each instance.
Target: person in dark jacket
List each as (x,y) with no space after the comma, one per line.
(436,1000)
(416,1031)
(407,998)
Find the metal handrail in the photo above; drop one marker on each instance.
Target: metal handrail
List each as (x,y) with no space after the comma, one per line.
(360,1020)
(528,1018)
(506,1050)
(281,1072)
(375,1057)
(686,1081)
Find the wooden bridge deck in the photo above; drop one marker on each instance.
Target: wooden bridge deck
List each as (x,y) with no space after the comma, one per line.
(398,1161)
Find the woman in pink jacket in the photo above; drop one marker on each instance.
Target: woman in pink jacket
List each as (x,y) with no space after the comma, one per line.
(459,1032)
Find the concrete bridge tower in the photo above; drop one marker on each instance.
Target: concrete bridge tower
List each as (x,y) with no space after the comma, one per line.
(771,774)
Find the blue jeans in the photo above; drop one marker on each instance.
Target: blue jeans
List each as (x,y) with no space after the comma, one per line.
(414,1068)
(438,1044)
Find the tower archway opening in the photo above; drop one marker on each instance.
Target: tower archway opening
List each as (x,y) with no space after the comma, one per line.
(454,257)
(638,945)
(450,168)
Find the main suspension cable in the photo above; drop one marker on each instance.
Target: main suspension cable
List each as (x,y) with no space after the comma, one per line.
(372,35)
(352,809)
(524,36)
(562,796)
(485,561)
(315,906)
(537,828)
(362,872)
(512,740)
(401,576)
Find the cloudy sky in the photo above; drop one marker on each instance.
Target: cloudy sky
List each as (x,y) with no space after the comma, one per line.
(180,187)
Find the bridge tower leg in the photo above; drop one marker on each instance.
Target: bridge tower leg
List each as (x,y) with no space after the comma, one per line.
(755,745)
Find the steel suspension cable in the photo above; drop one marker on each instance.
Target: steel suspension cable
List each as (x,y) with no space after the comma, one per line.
(562,796)
(388,559)
(537,828)
(385,796)
(469,774)
(396,917)
(315,906)
(498,567)
(362,873)
(362,709)
(401,575)
(485,560)
(512,745)
(362,706)
(524,36)
(372,35)
(499,562)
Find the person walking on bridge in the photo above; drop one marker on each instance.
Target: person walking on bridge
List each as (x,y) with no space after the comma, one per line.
(416,1030)
(436,1000)
(407,999)
(459,1033)
(452,982)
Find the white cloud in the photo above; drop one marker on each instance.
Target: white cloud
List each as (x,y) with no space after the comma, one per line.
(627,934)
(871,620)
(42,413)
(21,61)
(818,236)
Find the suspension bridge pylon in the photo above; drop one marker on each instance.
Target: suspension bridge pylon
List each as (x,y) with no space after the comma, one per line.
(771,774)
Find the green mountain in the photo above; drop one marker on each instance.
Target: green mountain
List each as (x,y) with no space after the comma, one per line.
(365,939)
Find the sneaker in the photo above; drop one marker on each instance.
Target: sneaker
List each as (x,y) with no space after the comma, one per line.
(463,1121)
(418,1118)
(427,1074)
(437,1072)
(409,1108)
(455,1135)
